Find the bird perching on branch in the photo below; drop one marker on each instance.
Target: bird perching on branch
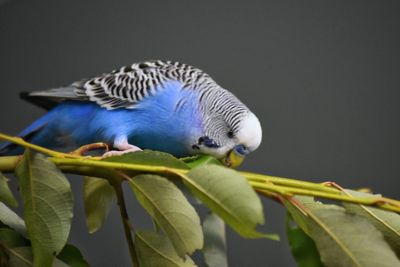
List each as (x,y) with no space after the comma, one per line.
(159,105)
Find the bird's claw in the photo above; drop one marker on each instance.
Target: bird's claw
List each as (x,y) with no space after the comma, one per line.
(86,148)
(113,153)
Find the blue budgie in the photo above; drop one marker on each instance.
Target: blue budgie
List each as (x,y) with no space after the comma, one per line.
(158,105)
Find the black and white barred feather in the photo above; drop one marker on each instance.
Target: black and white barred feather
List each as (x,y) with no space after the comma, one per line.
(127,86)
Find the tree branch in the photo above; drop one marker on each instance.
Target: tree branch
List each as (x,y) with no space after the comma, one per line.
(267,185)
(128,228)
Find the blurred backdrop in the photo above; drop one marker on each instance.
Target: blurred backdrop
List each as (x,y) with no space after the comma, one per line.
(322,76)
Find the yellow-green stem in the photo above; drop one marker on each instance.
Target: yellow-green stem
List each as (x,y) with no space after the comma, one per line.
(22,142)
(371,201)
(289,182)
(115,165)
(8,164)
(248,175)
(268,185)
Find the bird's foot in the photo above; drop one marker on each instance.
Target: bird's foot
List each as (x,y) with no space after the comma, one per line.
(87,148)
(125,150)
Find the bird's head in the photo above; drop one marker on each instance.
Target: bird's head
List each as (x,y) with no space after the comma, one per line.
(246,139)
(232,139)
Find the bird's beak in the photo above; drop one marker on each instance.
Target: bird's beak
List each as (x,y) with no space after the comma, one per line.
(233,159)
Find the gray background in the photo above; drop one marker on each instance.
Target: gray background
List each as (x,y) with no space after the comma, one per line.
(322,76)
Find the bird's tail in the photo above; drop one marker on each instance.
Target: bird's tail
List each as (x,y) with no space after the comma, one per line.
(30,133)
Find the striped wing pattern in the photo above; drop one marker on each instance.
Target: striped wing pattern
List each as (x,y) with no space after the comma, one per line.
(125,87)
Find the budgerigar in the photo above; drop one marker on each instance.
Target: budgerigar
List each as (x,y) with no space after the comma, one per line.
(158,105)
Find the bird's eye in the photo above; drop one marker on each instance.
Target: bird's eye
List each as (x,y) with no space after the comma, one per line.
(230,134)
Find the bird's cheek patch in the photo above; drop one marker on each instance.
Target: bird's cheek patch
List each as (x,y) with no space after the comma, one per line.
(207,142)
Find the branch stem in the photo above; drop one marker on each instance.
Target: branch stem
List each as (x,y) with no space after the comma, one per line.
(289,182)
(8,164)
(267,185)
(368,201)
(128,228)
(22,142)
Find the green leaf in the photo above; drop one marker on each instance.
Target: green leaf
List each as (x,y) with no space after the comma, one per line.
(342,238)
(16,237)
(149,157)
(302,246)
(72,256)
(155,250)
(214,249)
(11,238)
(47,198)
(229,195)
(69,254)
(199,160)
(98,196)
(385,221)
(5,192)
(22,257)
(171,211)
(10,218)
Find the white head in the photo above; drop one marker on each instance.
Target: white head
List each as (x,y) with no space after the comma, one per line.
(228,126)
(242,138)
